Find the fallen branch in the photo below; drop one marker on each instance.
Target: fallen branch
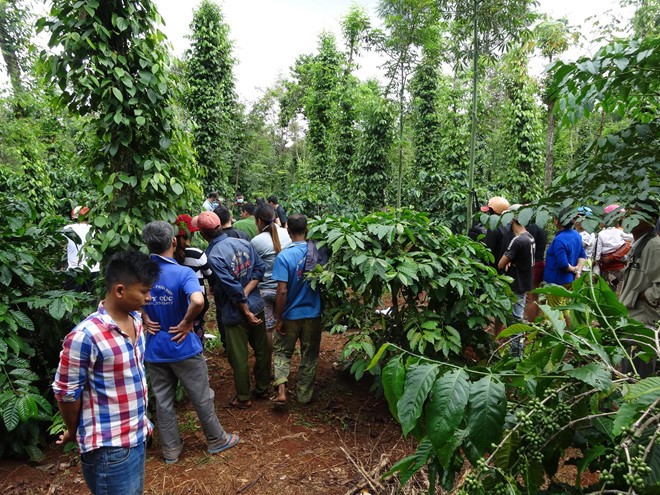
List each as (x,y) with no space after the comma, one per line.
(375,485)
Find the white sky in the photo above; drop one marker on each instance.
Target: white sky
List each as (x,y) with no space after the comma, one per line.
(269,35)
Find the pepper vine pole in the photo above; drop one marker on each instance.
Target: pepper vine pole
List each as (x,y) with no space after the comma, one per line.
(473,132)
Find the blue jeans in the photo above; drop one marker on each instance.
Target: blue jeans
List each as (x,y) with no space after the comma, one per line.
(115,470)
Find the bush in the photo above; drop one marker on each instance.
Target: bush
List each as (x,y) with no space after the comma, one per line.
(514,420)
(29,345)
(443,291)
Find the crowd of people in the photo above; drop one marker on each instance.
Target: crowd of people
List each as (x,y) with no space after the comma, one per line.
(151,322)
(152,317)
(628,261)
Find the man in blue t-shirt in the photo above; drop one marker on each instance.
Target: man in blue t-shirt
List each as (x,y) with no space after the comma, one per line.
(298,315)
(173,351)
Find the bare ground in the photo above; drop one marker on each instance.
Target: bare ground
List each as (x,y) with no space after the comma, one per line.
(340,444)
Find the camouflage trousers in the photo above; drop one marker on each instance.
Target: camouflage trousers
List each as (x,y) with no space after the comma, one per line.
(308,331)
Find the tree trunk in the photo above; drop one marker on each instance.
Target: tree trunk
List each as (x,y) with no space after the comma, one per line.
(550,142)
(9,51)
(473,132)
(398,192)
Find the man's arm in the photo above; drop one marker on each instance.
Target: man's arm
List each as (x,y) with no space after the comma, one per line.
(70,412)
(70,379)
(504,261)
(280,304)
(250,286)
(185,326)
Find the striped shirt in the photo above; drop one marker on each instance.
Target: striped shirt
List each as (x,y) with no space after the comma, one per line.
(100,366)
(197,261)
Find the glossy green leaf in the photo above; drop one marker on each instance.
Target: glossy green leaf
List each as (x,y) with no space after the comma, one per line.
(418,383)
(487,407)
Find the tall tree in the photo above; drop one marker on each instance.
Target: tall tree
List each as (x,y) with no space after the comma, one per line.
(211,99)
(482,28)
(427,131)
(409,24)
(15,36)
(523,128)
(371,170)
(111,62)
(553,37)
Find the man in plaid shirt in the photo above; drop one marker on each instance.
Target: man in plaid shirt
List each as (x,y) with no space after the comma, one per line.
(100,384)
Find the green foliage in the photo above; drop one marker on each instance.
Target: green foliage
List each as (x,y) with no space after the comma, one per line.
(621,166)
(523,131)
(15,35)
(211,99)
(371,169)
(32,323)
(515,420)
(427,129)
(441,290)
(111,62)
(39,150)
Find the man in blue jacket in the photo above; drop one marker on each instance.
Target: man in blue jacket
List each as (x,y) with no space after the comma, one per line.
(238,269)
(173,351)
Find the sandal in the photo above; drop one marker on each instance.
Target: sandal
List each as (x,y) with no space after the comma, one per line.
(232,440)
(238,404)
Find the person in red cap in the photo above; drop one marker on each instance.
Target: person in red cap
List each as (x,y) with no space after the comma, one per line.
(196,260)
(238,270)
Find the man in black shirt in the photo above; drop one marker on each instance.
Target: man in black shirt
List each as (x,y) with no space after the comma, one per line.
(518,263)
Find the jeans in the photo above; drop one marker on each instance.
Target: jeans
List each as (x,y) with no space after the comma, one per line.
(194,377)
(114,470)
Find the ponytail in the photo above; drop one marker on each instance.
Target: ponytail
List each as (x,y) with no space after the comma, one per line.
(180,251)
(266,214)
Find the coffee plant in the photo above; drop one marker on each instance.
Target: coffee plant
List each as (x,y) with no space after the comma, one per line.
(435,291)
(34,317)
(514,419)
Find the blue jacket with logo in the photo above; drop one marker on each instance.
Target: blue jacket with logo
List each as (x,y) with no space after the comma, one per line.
(235,263)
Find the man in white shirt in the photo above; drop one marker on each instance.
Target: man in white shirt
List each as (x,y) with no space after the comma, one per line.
(77,262)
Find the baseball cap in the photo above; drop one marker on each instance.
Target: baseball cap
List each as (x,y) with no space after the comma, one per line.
(497,203)
(184,222)
(513,208)
(206,221)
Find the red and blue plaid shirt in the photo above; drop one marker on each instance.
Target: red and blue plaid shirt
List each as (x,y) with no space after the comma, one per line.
(100,365)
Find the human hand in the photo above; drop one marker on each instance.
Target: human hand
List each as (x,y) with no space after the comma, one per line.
(279,328)
(65,438)
(153,327)
(252,319)
(181,331)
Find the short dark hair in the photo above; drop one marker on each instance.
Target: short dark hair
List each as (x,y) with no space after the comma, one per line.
(223,214)
(260,201)
(158,236)
(272,199)
(213,194)
(297,224)
(248,208)
(130,267)
(239,193)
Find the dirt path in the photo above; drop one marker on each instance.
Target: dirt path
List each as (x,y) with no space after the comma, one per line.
(315,449)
